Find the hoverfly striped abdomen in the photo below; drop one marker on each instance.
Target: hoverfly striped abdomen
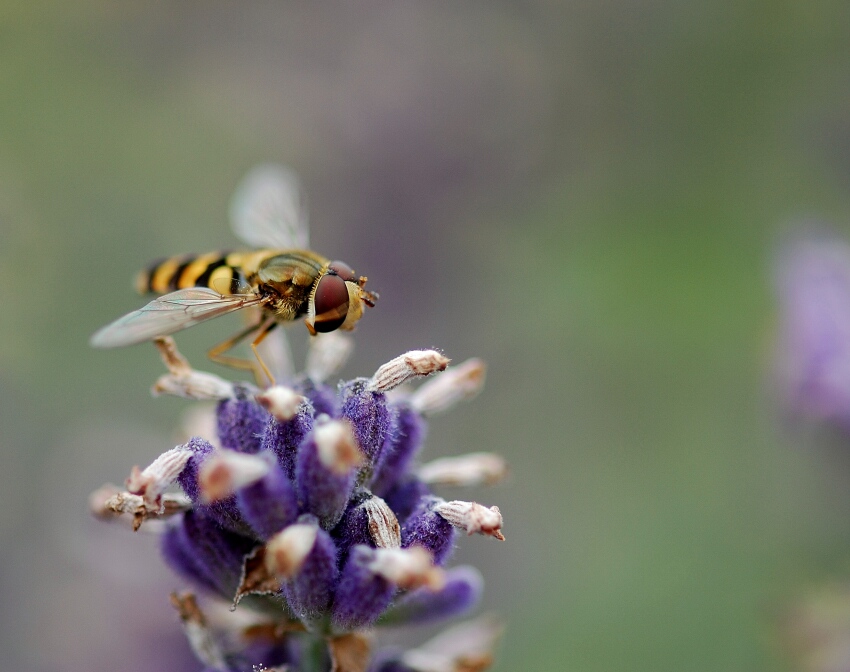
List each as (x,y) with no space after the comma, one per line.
(214,270)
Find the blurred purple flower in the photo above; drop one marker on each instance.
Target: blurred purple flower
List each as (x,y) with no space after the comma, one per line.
(287,519)
(813,364)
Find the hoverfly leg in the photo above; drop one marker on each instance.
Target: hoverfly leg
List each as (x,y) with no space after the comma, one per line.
(258,367)
(261,335)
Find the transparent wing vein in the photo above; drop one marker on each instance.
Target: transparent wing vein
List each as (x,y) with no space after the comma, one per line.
(169,313)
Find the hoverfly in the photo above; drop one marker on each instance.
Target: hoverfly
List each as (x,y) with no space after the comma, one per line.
(283,278)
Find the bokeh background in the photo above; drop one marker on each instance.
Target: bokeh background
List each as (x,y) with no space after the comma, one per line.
(587,194)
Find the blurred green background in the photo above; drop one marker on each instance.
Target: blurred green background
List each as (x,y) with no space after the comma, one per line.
(586,194)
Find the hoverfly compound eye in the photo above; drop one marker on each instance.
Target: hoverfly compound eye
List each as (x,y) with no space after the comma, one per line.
(331,302)
(343,270)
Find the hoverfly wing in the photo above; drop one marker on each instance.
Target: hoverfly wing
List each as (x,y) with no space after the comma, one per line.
(269,209)
(169,313)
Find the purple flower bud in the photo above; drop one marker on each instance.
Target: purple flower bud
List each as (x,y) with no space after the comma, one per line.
(310,591)
(323,397)
(426,528)
(371,418)
(207,553)
(361,595)
(367,521)
(326,470)
(269,504)
(462,591)
(407,436)
(180,555)
(241,423)
(406,496)
(353,528)
(284,437)
(188,478)
(224,511)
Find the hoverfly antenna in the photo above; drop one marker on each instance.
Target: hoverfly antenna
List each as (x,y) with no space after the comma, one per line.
(369,298)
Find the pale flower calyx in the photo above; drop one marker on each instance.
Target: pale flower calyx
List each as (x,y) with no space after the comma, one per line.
(404,367)
(472,517)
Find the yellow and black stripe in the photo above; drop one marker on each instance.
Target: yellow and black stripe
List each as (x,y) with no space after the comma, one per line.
(214,270)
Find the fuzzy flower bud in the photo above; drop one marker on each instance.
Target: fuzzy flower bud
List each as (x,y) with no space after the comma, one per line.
(406,496)
(270,503)
(304,557)
(461,592)
(371,418)
(205,553)
(282,437)
(223,510)
(368,521)
(426,528)
(241,423)
(326,470)
(400,449)
(362,594)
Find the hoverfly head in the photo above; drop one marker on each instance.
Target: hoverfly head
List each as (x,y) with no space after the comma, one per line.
(337,299)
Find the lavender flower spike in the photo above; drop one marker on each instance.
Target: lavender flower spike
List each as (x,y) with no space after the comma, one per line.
(313,517)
